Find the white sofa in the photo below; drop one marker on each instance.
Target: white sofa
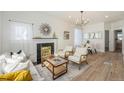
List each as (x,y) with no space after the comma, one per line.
(34,73)
(79,56)
(7,65)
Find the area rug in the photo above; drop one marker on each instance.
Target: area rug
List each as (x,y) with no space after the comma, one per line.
(72,72)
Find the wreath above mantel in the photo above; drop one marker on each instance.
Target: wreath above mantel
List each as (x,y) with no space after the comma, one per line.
(45,29)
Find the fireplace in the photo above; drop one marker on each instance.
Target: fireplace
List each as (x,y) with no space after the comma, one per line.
(44,50)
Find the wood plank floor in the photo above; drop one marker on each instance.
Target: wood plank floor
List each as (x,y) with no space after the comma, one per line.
(103,67)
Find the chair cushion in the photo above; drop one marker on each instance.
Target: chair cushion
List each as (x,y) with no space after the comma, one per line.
(61,54)
(68,48)
(75,59)
(80,51)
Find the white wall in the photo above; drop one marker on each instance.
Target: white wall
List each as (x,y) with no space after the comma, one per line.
(0,32)
(114,26)
(99,44)
(58,26)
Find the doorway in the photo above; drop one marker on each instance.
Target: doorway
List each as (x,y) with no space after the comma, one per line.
(118,40)
(106,40)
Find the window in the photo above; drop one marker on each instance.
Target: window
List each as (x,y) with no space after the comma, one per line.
(119,35)
(21,31)
(19,37)
(86,36)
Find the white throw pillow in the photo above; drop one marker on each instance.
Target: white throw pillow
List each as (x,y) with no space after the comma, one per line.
(10,60)
(7,55)
(17,57)
(2,57)
(22,54)
(20,57)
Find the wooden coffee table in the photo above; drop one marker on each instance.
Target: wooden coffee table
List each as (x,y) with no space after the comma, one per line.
(56,65)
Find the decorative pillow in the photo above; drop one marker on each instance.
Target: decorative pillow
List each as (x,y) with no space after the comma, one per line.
(20,56)
(7,55)
(2,57)
(17,57)
(11,53)
(10,60)
(19,51)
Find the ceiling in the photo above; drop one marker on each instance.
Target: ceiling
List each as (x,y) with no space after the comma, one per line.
(93,16)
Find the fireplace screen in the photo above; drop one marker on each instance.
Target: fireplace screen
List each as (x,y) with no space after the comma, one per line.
(46,51)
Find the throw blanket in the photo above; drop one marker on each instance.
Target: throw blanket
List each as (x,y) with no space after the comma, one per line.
(22,75)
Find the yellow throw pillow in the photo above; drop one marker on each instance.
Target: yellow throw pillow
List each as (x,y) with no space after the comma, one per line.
(23,75)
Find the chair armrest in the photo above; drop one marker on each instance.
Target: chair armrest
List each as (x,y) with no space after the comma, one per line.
(82,57)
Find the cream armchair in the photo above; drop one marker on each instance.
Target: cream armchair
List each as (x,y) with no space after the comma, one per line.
(79,56)
(66,52)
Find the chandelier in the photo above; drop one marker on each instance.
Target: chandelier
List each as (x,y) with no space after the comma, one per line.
(83,21)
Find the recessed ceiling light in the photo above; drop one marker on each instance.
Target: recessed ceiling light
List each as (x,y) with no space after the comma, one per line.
(106,16)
